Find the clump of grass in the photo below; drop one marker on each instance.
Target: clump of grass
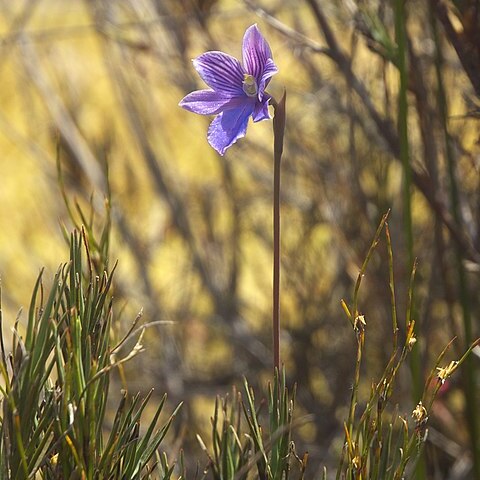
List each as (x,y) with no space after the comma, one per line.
(55,386)
(229,454)
(379,441)
(242,448)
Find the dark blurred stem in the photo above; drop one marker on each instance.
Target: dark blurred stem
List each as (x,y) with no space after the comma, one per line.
(400,33)
(278,134)
(276,263)
(401,39)
(469,370)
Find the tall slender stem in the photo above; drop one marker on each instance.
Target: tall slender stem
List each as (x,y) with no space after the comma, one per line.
(401,39)
(276,263)
(278,133)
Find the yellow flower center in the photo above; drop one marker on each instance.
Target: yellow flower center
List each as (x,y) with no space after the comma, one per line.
(250,85)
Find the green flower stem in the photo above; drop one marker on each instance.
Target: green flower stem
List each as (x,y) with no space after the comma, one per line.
(278,134)
(400,32)
(401,39)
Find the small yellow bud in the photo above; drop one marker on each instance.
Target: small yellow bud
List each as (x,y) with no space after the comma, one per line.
(445,372)
(419,414)
(359,324)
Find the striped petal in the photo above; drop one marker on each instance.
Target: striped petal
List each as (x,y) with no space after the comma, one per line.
(256,54)
(268,72)
(210,102)
(261,109)
(221,72)
(229,126)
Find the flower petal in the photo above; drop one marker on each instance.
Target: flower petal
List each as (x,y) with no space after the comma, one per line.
(229,126)
(261,109)
(268,72)
(210,102)
(221,72)
(256,53)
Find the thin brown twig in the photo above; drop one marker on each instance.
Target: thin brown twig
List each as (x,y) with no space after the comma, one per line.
(61,117)
(299,38)
(386,129)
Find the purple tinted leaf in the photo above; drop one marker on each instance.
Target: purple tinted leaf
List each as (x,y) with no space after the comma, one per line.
(221,72)
(229,126)
(279,119)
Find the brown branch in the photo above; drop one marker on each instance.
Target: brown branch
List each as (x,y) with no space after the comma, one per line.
(386,129)
(61,117)
(285,30)
(468,52)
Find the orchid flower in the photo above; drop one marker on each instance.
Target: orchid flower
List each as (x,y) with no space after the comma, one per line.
(236,93)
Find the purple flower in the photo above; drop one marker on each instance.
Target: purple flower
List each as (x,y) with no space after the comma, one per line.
(236,91)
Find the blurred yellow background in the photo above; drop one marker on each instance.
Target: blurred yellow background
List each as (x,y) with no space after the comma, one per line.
(101,82)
